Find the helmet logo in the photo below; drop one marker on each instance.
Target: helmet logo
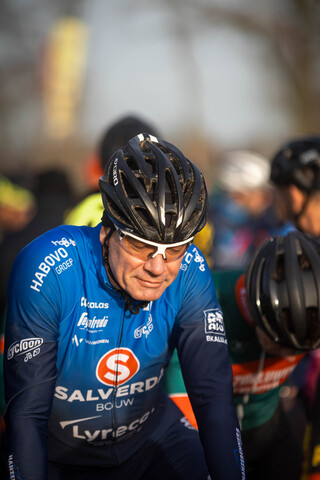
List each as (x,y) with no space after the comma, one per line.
(153,139)
(309,156)
(117,366)
(162,215)
(114,172)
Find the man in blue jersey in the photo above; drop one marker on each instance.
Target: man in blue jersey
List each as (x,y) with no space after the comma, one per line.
(94,315)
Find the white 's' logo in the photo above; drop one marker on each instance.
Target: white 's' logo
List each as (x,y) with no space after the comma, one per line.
(117,366)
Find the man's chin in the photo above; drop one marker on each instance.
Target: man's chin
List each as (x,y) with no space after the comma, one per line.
(147,296)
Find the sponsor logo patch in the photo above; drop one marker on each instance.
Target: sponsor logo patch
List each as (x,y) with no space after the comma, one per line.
(193,254)
(57,259)
(214,326)
(25,346)
(117,366)
(144,330)
(214,322)
(91,324)
(80,428)
(84,302)
(64,242)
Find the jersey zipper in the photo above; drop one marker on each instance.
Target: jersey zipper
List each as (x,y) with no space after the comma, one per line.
(114,420)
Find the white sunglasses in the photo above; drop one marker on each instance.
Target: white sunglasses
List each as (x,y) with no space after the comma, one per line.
(145,249)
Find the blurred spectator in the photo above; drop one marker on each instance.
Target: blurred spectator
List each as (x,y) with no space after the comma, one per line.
(53,195)
(17,206)
(242,208)
(295,172)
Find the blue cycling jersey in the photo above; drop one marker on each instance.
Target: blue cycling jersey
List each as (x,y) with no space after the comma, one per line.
(85,371)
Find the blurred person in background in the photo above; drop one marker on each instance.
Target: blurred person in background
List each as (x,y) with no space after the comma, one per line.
(242,208)
(89,211)
(17,206)
(52,196)
(295,172)
(272,319)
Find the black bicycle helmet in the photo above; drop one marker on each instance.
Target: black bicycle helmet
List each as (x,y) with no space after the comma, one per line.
(153,191)
(298,162)
(283,289)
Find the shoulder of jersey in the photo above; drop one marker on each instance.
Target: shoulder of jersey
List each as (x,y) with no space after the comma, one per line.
(51,252)
(51,243)
(194,260)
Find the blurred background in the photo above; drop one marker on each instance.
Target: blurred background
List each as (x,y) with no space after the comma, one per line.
(210,74)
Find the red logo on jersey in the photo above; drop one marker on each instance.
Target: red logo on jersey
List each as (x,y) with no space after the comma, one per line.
(117,366)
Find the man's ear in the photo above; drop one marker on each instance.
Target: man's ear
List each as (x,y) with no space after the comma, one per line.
(297,198)
(103,233)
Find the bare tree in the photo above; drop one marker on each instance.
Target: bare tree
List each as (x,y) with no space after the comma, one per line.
(291,29)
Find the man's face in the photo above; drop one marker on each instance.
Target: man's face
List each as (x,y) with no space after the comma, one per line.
(144,280)
(291,201)
(309,220)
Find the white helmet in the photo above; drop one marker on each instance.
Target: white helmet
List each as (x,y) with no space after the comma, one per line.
(240,170)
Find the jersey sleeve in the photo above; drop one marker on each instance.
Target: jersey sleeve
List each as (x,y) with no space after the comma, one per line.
(203,354)
(30,359)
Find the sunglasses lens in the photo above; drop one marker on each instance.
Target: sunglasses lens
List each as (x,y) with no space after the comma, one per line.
(173,253)
(138,249)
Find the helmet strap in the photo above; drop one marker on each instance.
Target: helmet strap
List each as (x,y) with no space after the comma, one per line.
(131,304)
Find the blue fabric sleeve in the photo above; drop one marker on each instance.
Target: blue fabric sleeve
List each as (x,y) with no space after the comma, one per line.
(30,366)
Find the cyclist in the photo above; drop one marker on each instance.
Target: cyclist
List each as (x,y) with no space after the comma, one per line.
(295,171)
(93,317)
(296,174)
(272,318)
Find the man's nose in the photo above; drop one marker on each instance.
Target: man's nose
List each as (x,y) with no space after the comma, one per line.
(156,265)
